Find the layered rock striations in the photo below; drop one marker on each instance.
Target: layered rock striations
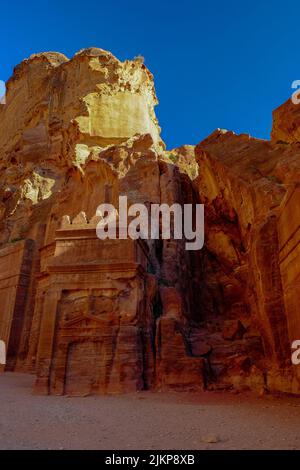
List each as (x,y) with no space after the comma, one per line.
(91,316)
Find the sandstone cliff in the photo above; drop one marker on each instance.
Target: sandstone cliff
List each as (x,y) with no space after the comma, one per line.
(111,316)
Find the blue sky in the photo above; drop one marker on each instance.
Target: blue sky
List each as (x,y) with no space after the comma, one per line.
(216,64)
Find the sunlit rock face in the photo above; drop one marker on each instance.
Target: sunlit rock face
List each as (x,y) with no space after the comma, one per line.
(90,316)
(286,122)
(74,134)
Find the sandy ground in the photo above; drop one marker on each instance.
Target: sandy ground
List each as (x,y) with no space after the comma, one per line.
(144,420)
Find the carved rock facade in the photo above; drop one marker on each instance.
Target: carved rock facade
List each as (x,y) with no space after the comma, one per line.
(90,316)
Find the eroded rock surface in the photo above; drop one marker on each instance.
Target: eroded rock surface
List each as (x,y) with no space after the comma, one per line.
(91,316)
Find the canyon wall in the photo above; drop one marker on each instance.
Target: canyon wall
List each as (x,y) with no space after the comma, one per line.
(105,316)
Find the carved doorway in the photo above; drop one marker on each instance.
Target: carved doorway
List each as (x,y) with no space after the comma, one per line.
(83,368)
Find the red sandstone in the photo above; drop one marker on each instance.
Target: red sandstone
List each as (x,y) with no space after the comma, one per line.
(90,316)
